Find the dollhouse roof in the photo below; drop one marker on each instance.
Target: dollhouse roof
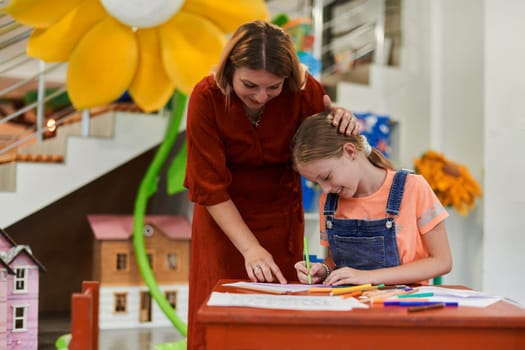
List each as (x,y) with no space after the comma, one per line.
(120,227)
(7,267)
(7,237)
(7,256)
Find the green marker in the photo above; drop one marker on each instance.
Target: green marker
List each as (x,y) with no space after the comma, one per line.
(307,258)
(416,295)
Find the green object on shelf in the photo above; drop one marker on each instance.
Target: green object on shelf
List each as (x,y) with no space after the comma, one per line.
(63,341)
(60,101)
(280,19)
(437,280)
(148,187)
(180,345)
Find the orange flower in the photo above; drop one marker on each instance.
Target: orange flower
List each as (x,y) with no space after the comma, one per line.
(451,182)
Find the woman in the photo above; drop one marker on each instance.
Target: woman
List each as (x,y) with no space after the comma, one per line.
(248,215)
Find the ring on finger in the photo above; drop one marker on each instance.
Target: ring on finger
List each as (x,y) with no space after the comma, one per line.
(257,267)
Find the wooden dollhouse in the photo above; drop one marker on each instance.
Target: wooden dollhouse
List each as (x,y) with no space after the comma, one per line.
(19,282)
(124,299)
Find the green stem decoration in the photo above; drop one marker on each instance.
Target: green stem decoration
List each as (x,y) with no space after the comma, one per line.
(147,188)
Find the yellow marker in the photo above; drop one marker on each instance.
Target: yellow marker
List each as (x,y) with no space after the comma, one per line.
(345,290)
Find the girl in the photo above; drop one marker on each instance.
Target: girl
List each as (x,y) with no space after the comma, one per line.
(381,226)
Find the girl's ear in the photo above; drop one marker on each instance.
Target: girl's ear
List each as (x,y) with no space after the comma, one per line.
(350,150)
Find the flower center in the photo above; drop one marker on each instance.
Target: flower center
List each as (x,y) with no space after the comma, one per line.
(451,169)
(140,13)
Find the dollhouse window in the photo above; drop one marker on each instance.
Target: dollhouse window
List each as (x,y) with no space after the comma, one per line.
(20,280)
(172,261)
(122,262)
(19,318)
(171,296)
(148,230)
(150,260)
(121,302)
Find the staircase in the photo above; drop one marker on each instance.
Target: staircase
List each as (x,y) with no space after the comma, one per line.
(114,139)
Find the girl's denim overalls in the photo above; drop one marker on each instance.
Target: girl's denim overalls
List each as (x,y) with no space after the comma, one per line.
(365,244)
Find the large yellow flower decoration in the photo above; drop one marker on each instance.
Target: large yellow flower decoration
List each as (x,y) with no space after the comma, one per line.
(451,182)
(149,47)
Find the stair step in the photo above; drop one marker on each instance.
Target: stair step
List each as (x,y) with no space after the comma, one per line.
(36,185)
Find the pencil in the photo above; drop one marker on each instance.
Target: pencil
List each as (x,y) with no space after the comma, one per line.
(307,258)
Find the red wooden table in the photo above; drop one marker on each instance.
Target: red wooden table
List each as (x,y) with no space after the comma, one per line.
(499,326)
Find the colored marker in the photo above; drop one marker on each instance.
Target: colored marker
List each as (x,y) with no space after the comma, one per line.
(346,290)
(416,295)
(426,307)
(307,258)
(417,303)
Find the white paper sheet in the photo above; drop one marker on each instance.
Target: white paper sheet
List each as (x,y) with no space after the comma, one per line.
(464,297)
(276,288)
(285,302)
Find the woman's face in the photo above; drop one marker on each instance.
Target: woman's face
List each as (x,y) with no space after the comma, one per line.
(256,87)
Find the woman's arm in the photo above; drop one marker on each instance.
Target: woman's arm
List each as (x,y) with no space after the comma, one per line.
(258,262)
(437,263)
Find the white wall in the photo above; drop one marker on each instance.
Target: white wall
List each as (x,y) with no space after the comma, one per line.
(504,146)
(460,90)
(456,118)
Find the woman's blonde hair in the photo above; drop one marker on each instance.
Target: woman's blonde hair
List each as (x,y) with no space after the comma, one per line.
(317,138)
(259,45)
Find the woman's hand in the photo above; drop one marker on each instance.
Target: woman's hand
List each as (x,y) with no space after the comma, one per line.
(317,271)
(260,266)
(345,119)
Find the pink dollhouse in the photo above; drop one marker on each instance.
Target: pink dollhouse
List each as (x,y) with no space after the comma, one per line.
(19,281)
(124,299)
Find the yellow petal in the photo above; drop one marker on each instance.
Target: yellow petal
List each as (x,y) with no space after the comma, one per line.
(191,46)
(102,65)
(56,43)
(40,13)
(228,15)
(151,87)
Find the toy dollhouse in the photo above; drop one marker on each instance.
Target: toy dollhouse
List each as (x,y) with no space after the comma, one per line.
(19,281)
(124,299)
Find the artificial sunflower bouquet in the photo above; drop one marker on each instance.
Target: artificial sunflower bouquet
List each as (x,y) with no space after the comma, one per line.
(451,182)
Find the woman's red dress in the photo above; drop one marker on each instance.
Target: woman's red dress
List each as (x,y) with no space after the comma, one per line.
(228,158)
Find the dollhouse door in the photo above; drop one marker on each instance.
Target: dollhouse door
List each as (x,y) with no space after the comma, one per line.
(145,307)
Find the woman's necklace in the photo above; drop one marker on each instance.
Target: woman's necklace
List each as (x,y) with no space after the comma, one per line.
(254,117)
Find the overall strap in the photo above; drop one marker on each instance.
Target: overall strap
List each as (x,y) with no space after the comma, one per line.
(396,192)
(330,205)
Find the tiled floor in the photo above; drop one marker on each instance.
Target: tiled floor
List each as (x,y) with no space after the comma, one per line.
(53,326)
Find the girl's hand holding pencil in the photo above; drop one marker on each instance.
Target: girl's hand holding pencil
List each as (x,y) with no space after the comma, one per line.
(317,272)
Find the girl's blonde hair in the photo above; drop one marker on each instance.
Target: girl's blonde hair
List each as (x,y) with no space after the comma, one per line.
(260,45)
(317,138)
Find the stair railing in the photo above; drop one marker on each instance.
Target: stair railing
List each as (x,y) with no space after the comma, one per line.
(18,75)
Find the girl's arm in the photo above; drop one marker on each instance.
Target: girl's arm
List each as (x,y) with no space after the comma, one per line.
(437,263)
(230,221)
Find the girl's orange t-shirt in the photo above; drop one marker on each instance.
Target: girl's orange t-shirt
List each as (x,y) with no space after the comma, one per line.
(419,213)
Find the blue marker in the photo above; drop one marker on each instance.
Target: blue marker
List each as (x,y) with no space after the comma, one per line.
(418,303)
